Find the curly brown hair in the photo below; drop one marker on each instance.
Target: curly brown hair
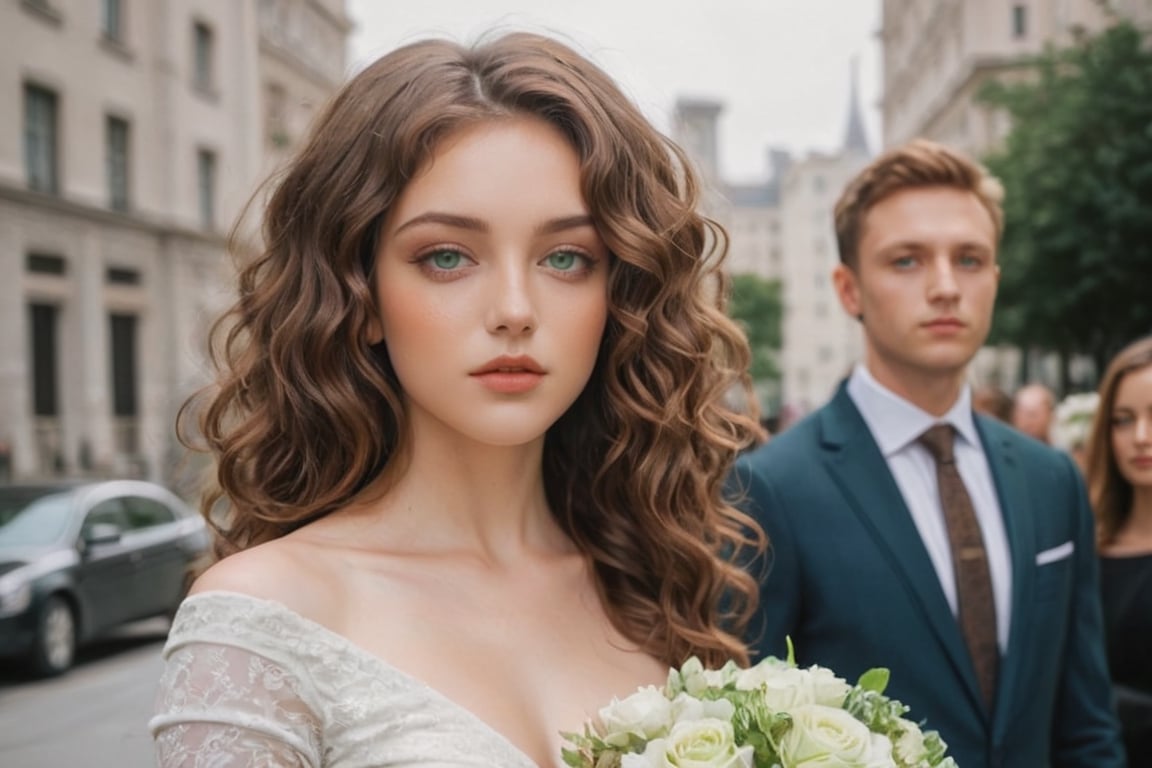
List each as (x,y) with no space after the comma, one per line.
(1109,491)
(306,414)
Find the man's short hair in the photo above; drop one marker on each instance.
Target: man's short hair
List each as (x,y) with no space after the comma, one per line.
(917,164)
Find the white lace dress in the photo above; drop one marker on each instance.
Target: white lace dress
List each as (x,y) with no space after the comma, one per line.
(250,684)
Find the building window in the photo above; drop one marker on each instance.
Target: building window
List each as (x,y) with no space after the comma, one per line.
(111,20)
(122,276)
(125,398)
(203,51)
(116,137)
(46,264)
(45,377)
(206,178)
(124,364)
(41,159)
(1019,20)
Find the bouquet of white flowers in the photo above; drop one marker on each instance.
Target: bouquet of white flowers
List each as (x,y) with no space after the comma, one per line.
(1072,420)
(772,715)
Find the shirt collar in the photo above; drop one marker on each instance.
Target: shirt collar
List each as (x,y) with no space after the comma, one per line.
(895,423)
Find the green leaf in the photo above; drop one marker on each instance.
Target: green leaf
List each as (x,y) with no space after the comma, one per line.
(875,679)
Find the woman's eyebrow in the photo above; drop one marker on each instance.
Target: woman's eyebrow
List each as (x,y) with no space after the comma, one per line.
(458,221)
(447,219)
(552,226)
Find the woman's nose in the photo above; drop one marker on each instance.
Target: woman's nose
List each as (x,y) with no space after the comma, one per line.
(512,309)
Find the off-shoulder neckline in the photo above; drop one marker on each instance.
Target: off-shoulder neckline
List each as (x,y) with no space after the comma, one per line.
(362,653)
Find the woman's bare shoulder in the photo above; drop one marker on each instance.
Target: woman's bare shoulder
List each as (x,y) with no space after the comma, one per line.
(288,570)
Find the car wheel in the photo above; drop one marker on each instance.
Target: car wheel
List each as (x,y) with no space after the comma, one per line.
(55,638)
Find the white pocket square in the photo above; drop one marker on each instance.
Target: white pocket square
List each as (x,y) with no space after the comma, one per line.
(1056,553)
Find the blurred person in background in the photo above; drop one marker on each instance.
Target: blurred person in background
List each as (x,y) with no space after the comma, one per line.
(1032,411)
(1119,471)
(993,401)
(1072,423)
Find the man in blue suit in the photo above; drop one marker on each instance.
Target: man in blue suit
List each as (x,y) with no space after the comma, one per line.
(998,647)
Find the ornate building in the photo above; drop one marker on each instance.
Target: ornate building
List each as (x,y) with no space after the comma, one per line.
(938,53)
(136,131)
(820,341)
(782,230)
(748,212)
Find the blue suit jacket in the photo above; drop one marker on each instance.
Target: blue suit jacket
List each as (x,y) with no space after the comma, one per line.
(850,581)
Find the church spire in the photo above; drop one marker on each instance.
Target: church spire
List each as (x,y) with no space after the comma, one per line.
(855,137)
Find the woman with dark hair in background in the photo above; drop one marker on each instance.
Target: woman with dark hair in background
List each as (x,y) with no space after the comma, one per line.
(1119,473)
(469,428)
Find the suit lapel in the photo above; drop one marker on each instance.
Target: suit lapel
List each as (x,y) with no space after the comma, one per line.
(861,472)
(1019,524)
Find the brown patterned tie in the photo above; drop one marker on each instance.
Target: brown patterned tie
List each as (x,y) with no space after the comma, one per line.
(977,607)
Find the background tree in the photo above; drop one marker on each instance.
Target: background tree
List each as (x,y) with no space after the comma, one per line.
(755,304)
(1077,171)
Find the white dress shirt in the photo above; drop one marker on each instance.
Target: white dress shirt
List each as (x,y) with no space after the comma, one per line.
(895,425)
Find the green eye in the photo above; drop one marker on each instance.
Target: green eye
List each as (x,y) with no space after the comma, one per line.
(445,259)
(563,260)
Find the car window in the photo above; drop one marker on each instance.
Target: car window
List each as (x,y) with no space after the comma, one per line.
(109,512)
(147,513)
(28,520)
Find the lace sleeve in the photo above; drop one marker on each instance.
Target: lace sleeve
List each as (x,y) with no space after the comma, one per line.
(220,706)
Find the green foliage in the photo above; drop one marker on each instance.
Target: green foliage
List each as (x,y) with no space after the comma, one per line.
(880,713)
(875,679)
(1077,170)
(756,305)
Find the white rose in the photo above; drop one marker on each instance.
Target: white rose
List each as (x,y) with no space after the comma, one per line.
(707,743)
(828,737)
(687,708)
(908,749)
(788,687)
(644,715)
(695,678)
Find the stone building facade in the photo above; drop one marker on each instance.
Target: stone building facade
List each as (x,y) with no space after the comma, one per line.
(134,133)
(938,53)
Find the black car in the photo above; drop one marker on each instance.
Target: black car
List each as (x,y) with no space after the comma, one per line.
(77,560)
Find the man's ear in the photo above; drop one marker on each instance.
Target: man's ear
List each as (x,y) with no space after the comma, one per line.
(844,280)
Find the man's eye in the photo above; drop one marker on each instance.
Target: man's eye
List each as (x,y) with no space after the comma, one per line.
(970,260)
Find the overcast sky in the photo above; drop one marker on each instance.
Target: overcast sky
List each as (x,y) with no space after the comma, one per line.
(781,67)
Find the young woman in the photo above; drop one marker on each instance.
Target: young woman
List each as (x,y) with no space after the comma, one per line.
(1119,476)
(469,428)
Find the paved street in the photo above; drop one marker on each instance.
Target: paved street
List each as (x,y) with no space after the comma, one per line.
(93,716)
